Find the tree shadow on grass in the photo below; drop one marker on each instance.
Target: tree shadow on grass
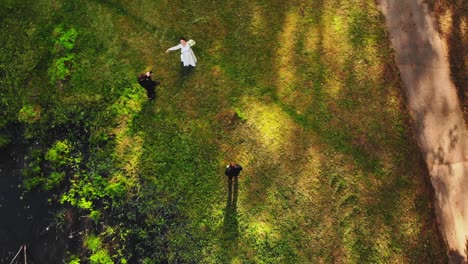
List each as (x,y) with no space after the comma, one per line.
(118,8)
(457,40)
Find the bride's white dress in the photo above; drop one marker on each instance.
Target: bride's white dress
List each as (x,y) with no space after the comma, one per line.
(186,55)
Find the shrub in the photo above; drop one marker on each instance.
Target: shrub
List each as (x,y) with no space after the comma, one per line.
(29,114)
(95,215)
(84,204)
(115,190)
(33,172)
(4,140)
(33,182)
(100,257)
(59,153)
(65,41)
(74,260)
(93,243)
(54,179)
(61,68)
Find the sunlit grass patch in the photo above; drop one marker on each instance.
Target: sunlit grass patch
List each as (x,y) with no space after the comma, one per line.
(333,43)
(128,145)
(128,151)
(258,19)
(312,38)
(274,127)
(335,87)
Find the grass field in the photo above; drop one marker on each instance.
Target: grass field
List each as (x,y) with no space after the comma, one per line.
(303,94)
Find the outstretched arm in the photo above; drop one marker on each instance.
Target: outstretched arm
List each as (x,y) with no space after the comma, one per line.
(174,48)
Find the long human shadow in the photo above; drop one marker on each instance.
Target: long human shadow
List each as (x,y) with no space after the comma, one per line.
(231,225)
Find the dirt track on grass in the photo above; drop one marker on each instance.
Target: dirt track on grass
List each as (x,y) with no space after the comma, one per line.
(435,108)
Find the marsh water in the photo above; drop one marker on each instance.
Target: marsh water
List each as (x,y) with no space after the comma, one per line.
(26,218)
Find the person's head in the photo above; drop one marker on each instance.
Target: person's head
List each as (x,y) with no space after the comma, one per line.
(142,77)
(233,164)
(182,40)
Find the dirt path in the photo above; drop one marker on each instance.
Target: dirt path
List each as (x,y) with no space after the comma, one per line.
(432,98)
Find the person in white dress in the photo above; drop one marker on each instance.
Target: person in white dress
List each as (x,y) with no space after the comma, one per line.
(187,56)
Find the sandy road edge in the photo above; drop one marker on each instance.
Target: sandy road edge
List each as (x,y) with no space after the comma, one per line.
(440,128)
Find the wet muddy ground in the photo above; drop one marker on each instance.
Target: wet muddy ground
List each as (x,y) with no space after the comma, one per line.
(26,218)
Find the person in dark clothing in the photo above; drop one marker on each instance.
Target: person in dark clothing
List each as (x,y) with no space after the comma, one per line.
(145,80)
(233,170)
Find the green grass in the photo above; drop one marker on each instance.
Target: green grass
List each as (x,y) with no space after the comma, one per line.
(301,93)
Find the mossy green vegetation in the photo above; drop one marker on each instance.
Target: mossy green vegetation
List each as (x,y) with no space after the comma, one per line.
(303,94)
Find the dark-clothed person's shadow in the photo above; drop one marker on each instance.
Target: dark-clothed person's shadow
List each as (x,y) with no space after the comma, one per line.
(232,192)
(231,225)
